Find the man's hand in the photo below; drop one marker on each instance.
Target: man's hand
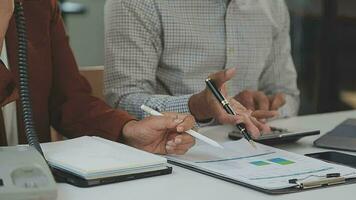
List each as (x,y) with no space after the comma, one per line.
(263,106)
(204,106)
(161,134)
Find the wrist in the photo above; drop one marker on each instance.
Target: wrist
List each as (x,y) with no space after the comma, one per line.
(128,131)
(198,107)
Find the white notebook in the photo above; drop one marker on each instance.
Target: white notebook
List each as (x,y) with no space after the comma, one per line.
(94,157)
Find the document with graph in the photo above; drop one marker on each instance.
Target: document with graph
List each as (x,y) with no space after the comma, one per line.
(265,168)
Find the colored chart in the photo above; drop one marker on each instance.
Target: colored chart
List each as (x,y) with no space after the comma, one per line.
(260,163)
(281,161)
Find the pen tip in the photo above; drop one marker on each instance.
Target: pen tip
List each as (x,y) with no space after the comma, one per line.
(253,144)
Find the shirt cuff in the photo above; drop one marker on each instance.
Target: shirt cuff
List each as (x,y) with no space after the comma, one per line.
(165,103)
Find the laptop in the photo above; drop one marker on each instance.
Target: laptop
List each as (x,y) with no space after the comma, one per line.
(342,137)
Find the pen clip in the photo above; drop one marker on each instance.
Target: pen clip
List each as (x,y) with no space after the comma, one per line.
(329,179)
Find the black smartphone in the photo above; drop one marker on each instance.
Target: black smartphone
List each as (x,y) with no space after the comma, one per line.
(335,157)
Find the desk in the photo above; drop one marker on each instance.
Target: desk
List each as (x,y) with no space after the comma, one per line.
(185,184)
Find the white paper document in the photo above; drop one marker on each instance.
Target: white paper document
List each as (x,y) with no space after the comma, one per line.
(265,167)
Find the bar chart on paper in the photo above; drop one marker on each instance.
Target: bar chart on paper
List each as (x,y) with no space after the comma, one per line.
(259,163)
(280,161)
(265,167)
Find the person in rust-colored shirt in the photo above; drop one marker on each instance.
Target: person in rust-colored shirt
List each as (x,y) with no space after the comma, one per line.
(61,97)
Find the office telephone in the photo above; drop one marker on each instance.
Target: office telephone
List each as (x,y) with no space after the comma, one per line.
(24,173)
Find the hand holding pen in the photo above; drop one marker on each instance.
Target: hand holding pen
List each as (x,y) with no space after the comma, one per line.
(190,132)
(207,106)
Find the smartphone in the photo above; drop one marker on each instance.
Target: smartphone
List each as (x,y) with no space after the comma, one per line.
(335,157)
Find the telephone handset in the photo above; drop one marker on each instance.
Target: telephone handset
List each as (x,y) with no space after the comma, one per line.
(24,173)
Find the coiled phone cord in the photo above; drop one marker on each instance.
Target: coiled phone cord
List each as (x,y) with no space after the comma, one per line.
(25,98)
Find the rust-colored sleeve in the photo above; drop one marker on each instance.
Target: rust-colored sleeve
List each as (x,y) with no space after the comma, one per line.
(74,112)
(8,91)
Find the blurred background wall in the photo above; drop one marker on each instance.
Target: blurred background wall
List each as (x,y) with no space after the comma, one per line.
(84,22)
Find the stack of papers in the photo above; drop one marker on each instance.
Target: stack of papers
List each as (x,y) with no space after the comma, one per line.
(266,167)
(94,157)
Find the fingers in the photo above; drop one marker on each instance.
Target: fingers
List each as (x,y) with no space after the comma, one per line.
(221,77)
(264,128)
(177,151)
(253,100)
(224,118)
(164,122)
(246,98)
(251,122)
(261,101)
(263,114)
(180,144)
(204,105)
(185,122)
(250,126)
(188,123)
(277,101)
(264,107)
(237,106)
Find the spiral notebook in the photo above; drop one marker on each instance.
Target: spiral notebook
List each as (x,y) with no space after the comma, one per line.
(266,169)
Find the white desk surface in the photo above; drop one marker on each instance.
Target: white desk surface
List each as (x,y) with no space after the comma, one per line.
(185,184)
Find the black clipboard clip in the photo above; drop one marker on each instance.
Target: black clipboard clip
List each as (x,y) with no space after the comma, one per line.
(329,179)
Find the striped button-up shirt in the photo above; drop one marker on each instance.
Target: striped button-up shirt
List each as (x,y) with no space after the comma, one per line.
(159,52)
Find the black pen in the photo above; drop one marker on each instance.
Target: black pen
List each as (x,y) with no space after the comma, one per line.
(225,104)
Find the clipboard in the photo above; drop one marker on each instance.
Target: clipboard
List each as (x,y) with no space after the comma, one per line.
(268,169)
(300,187)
